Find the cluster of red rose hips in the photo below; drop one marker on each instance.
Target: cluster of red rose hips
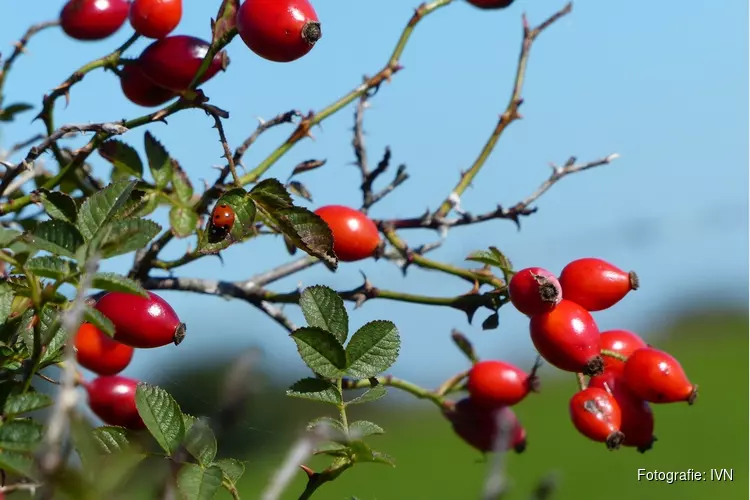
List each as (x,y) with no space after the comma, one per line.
(139,322)
(280,31)
(625,374)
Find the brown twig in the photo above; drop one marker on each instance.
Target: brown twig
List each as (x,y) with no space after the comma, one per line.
(19,47)
(217,114)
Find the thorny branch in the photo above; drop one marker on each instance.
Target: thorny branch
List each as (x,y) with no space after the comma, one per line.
(20,48)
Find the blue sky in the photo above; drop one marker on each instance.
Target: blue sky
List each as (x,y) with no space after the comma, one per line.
(664,87)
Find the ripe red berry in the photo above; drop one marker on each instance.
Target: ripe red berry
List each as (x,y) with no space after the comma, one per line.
(355,236)
(93,19)
(112,399)
(142,322)
(656,376)
(596,284)
(534,290)
(140,90)
(490,4)
(623,342)
(480,427)
(637,418)
(595,414)
(567,337)
(155,18)
(280,31)
(97,352)
(172,62)
(222,216)
(496,383)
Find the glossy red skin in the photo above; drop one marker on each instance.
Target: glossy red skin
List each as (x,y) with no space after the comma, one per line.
(112,399)
(355,236)
(495,383)
(155,18)
(656,376)
(172,62)
(594,283)
(222,216)
(141,322)
(534,290)
(278,30)
(566,337)
(90,20)
(97,352)
(598,421)
(478,426)
(637,418)
(140,90)
(623,342)
(490,4)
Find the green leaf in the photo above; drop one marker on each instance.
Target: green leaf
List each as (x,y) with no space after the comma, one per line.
(232,469)
(110,439)
(198,484)
(483,257)
(162,416)
(379,457)
(363,428)
(140,204)
(184,221)
(158,161)
(332,450)
(8,236)
(52,267)
(123,157)
(372,349)
(99,320)
(330,422)
(6,302)
(200,442)
(315,389)
(99,209)
(82,437)
(18,463)
(299,189)
(113,282)
(493,257)
(188,421)
(372,394)
(306,230)
(20,435)
(211,242)
(361,452)
(58,205)
(57,237)
(8,113)
(323,308)
(128,235)
(24,403)
(320,351)
(183,188)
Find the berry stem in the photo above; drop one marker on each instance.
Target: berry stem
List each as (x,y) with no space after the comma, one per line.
(342,407)
(613,354)
(391,381)
(451,384)
(581,378)
(509,115)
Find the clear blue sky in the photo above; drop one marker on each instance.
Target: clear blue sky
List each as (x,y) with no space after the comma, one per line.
(663,85)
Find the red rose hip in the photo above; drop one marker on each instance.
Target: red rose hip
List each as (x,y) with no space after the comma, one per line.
(480,427)
(496,383)
(596,284)
(622,342)
(490,4)
(140,90)
(142,322)
(534,290)
(90,20)
(595,414)
(657,377)
(281,30)
(355,236)
(155,18)
(172,62)
(97,352)
(112,399)
(637,418)
(567,337)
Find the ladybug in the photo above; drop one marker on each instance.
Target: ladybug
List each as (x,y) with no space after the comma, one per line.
(222,217)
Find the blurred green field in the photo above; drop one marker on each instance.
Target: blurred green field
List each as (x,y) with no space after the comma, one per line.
(434,464)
